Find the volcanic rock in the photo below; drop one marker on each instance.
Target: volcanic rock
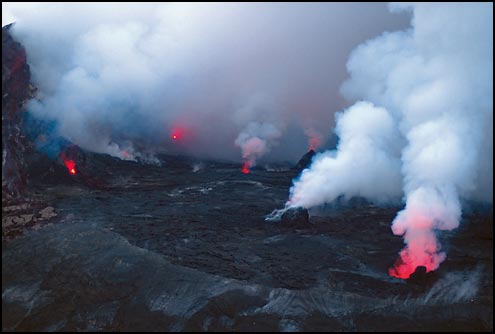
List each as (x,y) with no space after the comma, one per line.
(154,244)
(47,213)
(305,161)
(153,252)
(18,218)
(295,217)
(421,277)
(16,90)
(20,207)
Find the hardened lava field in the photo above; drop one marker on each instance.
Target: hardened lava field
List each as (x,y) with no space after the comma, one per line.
(184,246)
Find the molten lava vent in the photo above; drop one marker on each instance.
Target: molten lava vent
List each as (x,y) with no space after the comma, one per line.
(69,157)
(245,167)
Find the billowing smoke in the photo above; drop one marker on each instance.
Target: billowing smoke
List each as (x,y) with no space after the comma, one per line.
(428,126)
(366,162)
(256,140)
(237,79)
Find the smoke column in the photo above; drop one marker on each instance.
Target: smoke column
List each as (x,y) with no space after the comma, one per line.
(256,140)
(366,159)
(427,128)
(240,81)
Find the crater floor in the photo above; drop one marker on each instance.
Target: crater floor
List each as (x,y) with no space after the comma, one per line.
(184,246)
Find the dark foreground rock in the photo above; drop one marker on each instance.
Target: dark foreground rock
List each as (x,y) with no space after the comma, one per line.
(31,214)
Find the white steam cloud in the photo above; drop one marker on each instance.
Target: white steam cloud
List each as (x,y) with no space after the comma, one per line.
(117,78)
(428,126)
(261,80)
(367,155)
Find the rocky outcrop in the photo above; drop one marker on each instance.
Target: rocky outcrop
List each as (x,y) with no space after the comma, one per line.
(305,161)
(20,210)
(16,91)
(295,217)
(422,277)
(28,215)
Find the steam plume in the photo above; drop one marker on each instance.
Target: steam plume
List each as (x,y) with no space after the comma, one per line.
(432,87)
(256,140)
(366,162)
(120,78)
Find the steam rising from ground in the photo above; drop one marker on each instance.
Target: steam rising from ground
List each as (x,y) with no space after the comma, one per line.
(367,155)
(455,287)
(120,78)
(256,140)
(428,126)
(234,78)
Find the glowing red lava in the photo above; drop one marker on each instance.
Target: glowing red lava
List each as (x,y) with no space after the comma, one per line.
(71,166)
(406,265)
(403,271)
(245,168)
(179,133)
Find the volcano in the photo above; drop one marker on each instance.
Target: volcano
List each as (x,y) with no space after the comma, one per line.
(170,249)
(95,243)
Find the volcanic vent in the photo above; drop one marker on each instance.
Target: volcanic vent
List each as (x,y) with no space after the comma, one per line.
(138,180)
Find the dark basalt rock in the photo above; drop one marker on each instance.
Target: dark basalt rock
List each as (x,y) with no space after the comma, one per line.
(170,249)
(167,249)
(295,217)
(421,277)
(16,91)
(305,161)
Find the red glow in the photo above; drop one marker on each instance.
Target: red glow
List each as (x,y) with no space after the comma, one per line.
(406,265)
(313,145)
(177,133)
(245,167)
(71,166)
(315,140)
(402,270)
(180,132)
(422,249)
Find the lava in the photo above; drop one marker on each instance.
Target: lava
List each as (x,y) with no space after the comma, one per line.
(406,265)
(181,133)
(71,166)
(177,133)
(402,270)
(245,167)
